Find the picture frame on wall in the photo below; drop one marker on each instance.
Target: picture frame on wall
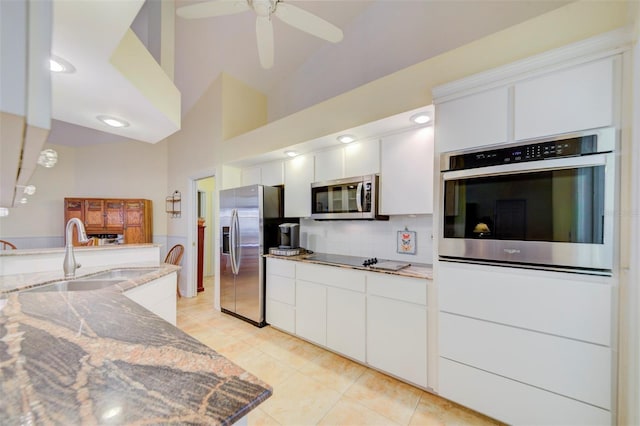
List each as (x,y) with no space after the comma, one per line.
(406,242)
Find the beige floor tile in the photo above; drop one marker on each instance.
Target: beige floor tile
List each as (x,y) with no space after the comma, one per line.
(333,371)
(386,396)
(291,351)
(300,400)
(213,338)
(258,417)
(349,412)
(267,368)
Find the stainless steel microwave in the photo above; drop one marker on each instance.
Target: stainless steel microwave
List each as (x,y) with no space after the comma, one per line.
(547,203)
(346,199)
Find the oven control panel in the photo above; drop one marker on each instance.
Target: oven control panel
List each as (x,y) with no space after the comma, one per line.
(531,152)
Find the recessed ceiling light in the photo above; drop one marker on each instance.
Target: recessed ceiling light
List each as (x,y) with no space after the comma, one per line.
(291,153)
(420,118)
(29,189)
(57,64)
(346,138)
(112,121)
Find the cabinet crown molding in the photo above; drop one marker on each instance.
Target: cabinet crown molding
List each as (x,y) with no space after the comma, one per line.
(589,49)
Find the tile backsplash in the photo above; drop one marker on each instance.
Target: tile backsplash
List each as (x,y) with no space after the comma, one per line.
(369,238)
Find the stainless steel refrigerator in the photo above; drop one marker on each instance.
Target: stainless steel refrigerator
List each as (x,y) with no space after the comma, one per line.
(248,216)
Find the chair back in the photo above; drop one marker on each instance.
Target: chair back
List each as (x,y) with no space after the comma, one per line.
(174,256)
(6,245)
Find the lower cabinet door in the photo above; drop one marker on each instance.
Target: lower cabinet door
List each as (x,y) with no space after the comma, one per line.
(311,312)
(281,315)
(397,338)
(346,322)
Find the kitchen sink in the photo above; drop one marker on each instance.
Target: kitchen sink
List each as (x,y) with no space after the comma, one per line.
(121,274)
(75,285)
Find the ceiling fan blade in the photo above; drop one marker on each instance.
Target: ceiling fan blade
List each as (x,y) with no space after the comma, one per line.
(308,22)
(264,35)
(212,8)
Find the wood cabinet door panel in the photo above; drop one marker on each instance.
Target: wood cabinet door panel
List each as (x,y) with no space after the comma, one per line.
(114,217)
(94,214)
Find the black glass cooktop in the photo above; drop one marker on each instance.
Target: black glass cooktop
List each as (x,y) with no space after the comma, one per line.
(338,259)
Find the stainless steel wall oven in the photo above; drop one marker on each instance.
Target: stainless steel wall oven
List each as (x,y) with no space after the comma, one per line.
(547,203)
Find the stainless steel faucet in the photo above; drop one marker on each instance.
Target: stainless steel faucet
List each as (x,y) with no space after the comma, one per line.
(70,264)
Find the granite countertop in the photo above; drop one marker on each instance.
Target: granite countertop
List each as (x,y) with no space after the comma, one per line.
(96,357)
(414,270)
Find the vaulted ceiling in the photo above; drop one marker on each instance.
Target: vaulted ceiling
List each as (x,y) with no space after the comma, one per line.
(380,37)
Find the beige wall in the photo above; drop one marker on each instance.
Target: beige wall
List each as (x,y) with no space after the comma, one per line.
(244,107)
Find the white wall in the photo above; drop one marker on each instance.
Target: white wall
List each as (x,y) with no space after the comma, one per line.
(369,238)
(127,169)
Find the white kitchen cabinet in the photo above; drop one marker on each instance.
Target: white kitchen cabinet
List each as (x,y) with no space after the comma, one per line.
(519,404)
(342,324)
(362,158)
(329,165)
(298,176)
(346,313)
(251,175)
(572,99)
(311,311)
(472,121)
(281,294)
(158,296)
(354,159)
(397,326)
(545,335)
(397,338)
(270,174)
(406,178)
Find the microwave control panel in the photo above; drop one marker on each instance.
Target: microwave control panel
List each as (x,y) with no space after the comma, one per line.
(518,154)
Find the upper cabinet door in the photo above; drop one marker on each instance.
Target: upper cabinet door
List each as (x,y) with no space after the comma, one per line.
(298,176)
(251,175)
(273,173)
(406,178)
(563,101)
(473,121)
(329,165)
(362,158)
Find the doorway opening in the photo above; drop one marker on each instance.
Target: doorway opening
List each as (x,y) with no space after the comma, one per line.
(205,225)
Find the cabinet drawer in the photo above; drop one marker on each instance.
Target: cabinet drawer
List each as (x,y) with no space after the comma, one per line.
(555,303)
(284,268)
(513,402)
(408,289)
(349,279)
(578,370)
(281,289)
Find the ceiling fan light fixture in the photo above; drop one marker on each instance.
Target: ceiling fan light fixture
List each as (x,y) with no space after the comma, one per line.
(113,121)
(48,158)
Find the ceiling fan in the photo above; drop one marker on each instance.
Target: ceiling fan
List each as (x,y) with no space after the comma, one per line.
(264,9)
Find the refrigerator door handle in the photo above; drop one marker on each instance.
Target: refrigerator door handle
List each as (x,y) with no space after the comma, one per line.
(233,236)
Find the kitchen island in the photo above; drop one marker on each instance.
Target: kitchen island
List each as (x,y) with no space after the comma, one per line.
(97,357)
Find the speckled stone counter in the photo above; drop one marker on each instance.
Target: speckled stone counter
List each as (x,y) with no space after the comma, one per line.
(96,357)
(419,270)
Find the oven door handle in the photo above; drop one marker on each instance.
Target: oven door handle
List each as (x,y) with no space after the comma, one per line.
(533,166)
